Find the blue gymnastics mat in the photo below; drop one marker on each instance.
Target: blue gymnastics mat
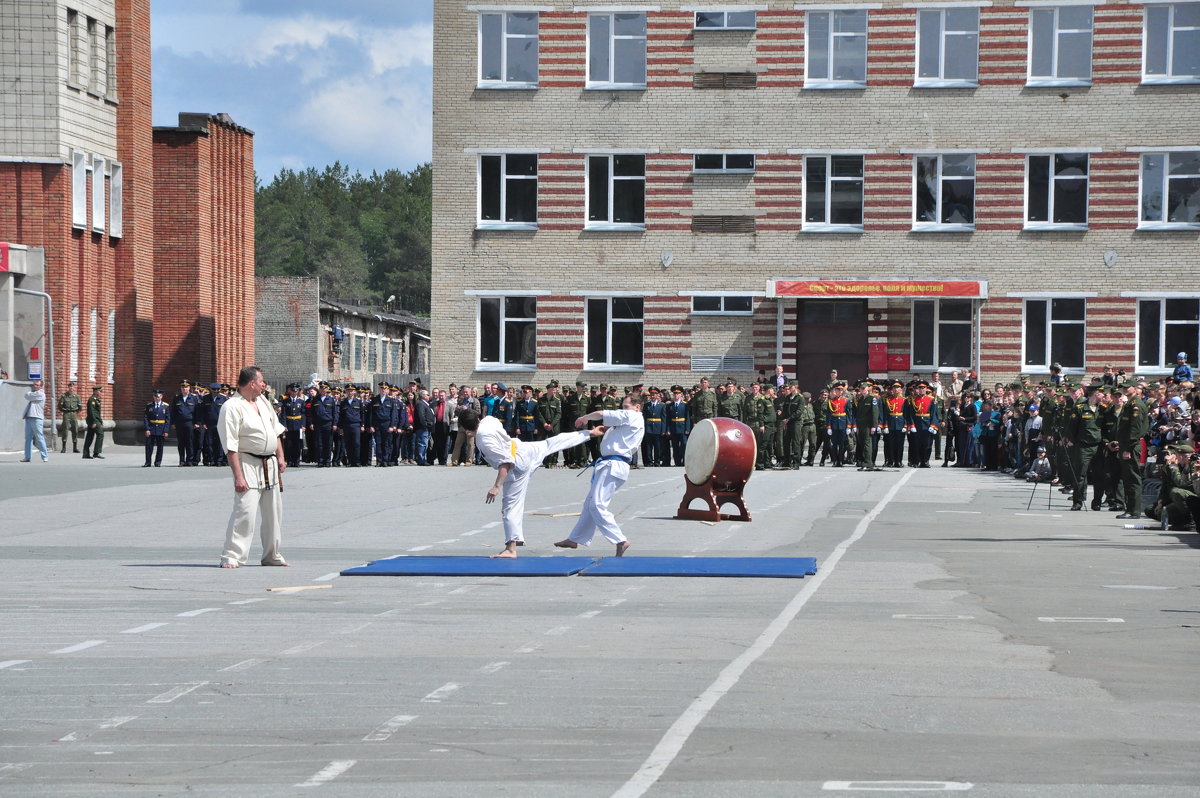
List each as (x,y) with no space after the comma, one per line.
(472,566)
(762,567)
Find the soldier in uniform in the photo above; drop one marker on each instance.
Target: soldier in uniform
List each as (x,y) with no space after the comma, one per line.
(69,404)
(525,415)
(1083,436)
(808,429)
(574,405)
(704,403)
(764,407)
(1109,476)
(921,414)
(350,422)
(401,425)
(322,424)
(156,420)
(95,427)
(894,426)
(1133,423)
(729,401)
(869,420)
(679,424)
(184,409)
(837,423)
(549,419)
(379,424)
(793,422)
(291,416)
(820,420)
(654,442)
(218,397)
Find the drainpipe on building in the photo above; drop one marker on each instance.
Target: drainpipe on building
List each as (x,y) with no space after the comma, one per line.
(50,360)
(976,306)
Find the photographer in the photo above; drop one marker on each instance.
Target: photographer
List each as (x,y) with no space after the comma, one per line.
(1178,471)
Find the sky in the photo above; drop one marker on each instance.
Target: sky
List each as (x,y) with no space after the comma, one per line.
(318,81)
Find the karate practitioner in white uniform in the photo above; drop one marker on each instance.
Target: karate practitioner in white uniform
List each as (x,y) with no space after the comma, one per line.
(623,431)
(515,461)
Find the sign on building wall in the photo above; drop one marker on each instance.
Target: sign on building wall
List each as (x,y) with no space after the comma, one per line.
(873,289)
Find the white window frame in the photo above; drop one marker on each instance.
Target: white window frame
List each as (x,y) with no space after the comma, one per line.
(112,345)
(500,224)
(725,169)
(1161,224)
(98,194)
(1166,79)
(1163,352)
(724,296)
(500,365)
(116,200)
(725,11)
(829,82)
(1059,31)
(92,340)
(587,191)
(1050,224)
(608,365)
(611,84)
(503,83)
(1048,299)
(937,322)
(827,226)
(80,166)
(73,365)
(938,226)
(110,63)
(942,82)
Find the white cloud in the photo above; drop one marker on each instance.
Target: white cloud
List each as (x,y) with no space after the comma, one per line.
(393,48)
(362,116)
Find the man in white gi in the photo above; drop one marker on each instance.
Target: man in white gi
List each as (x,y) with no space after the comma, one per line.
(514,461)
(623,430)
(250,433)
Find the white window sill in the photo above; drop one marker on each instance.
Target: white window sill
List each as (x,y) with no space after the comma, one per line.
(505,367)
(938,83)
(1054,83)
(506,226)
(1050,227)
(933,227)
(722,171)
(606,367)
(607,227)
(722,29)
(835,84)
(1169,80)
(831,228)
(502,85)
(615,87)
(1040,370)
(722,312)
(1168,226)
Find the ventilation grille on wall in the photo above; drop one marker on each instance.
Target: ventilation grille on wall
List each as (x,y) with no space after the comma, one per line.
(723,224)
(722,363)
(725,80)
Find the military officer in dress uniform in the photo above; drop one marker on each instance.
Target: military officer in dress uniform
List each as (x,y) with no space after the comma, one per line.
(837,423)
(549,419)
(920,413)
(679,424)
(654,441)
(380,415)
(291,415)
(217,399)
(95,427)
(156,420)
(69,404)
(184,410)
(350,422)
(321,425)
(525,413)
(869,420)
(894,425)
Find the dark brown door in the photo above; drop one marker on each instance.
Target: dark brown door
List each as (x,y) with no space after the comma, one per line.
(831,334)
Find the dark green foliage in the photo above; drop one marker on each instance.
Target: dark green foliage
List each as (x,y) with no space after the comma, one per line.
(366,237)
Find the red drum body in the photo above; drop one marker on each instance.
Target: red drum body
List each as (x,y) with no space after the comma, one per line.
(721,449)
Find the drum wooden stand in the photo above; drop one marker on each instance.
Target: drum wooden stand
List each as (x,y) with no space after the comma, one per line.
(716,470)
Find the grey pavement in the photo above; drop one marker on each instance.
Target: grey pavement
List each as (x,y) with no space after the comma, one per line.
(953,642)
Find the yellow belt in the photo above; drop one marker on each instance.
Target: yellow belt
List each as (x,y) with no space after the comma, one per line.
(527,418)
(514,449)
(294,418)
(157,421)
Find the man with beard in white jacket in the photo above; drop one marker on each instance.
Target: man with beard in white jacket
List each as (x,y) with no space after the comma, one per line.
(623,431)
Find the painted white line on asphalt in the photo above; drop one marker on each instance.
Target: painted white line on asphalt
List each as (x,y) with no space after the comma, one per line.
(1038,515)
(328,773)
(248,601)
(492,667)
(143,628)
(1082,620)
(327,577)
(245,664)
(120,720)
(446,542)
(194,613)
(458,591)
(389,728)
(934,617)
(176,692)
(440,693)
(420,548)
(557,630)
(79,646)
(472,532)
(614,602)
(589,614)
(898,786)
(431,602)
(67,738)
(9,768)
(388,612)
(1139,587)
(677,736)
(300,649)
(529,648)
(492,524)
(8,663)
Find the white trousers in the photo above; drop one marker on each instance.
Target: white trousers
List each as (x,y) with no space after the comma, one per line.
(254,507)
(530,455)
(595,514)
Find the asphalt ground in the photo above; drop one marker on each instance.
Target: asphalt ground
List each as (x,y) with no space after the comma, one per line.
(952,641)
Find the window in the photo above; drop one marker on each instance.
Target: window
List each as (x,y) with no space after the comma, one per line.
(372,353)
(614,332)
(110,63)
(948,47)
(74,356)
(112,345)
(725,20)
(1060,46)
(725,305)
(617,51)
(508,50)
(616,191)
(385,345)
(1057,191)
(92,353)
(508,191)
(836,49)
(1054,332)
(95,79)
(1171,49)
(723,163)
(945,192)
(80,165)
(116,200)
(1170,189)
(397,365)
(941,332)
(507,331)
(359,341)
(73,37)
(1166,327)
(98,194)
(833,192)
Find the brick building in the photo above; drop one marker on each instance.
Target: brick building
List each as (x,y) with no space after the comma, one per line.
(152,278)
(649,193)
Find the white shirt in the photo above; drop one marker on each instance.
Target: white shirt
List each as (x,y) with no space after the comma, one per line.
(624,433)
(244,431)
(494,443)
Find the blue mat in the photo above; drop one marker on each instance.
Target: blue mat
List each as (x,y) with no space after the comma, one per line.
(472,566)
(769,567)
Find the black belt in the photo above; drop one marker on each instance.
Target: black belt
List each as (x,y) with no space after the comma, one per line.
(263,458)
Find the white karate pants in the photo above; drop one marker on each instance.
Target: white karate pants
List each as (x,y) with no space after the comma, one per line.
(530,455)
(609,475)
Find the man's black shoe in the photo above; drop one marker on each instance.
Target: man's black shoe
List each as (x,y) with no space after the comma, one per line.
(1076,507)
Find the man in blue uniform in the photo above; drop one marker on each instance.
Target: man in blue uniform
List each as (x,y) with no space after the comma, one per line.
(350,420)
(379,424)
(654,442)
(838,421)
(184,409)
(679,424)
(156,420)
(324,419)
(291,415)
(525,411)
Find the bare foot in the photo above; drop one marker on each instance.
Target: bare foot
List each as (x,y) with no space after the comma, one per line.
(567,544)
(506,554)
(623,547)
(229,565)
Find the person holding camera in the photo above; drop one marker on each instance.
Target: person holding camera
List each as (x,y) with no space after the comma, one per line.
(1178,470)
